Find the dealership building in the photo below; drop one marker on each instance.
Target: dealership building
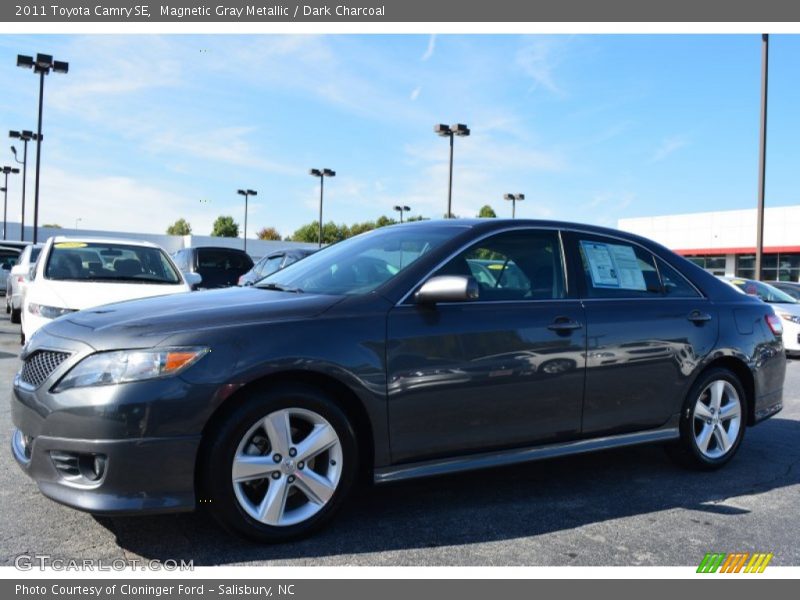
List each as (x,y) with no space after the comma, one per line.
(724,242)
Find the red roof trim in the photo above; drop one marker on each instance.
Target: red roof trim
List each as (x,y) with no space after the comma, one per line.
(744,250)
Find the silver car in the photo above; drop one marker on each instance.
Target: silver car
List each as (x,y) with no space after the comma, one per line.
(17,279)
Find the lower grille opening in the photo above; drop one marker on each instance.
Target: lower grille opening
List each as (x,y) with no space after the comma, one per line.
(79,467)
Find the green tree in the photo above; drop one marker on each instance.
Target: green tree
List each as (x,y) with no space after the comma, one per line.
(225,226)
(416,218)
(487,212)
(331,233)
(268,233)
(179,227)
(52,225)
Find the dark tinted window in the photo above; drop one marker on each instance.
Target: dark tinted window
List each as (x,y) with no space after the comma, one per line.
(220,258)
(93,261)
(675,284)
(516,265)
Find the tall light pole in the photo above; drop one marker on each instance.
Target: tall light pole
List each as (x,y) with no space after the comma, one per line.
(401,210)
(451,131)
(514,199)
(246,194)
(78,220)
(762,155)
(26,136)
(6,171)
(322,174)
(43,64)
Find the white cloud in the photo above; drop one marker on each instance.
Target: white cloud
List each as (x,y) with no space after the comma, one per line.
(538,60)
(415,93)
(430,49)
(668,146)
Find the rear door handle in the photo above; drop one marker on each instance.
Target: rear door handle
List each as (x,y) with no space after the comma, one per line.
(564,325)
(698,317)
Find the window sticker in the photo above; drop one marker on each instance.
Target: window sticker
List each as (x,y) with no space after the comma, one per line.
(613,266)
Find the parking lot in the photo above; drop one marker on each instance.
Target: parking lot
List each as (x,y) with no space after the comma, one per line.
(624,507)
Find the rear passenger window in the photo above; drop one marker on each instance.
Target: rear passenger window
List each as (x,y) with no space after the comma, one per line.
(615,269)
(675,284)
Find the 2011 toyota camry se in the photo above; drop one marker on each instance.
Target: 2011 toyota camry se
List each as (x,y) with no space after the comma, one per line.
(410,351)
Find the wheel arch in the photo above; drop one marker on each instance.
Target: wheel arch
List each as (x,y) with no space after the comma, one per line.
(742,371)
(342,394)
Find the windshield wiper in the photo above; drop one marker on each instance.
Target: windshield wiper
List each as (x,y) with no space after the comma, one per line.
(278,287)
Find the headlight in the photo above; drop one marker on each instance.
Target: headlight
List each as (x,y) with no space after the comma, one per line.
(789,317)
(109,368)
(48,312)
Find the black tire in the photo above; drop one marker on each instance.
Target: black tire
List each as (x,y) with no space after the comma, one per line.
(216,487)
(16,315)
(686,451)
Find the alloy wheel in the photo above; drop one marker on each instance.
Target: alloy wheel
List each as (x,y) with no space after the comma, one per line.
(717,419)
(287,467)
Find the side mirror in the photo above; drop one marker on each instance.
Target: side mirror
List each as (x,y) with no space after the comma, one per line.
(193,280)
(447,288)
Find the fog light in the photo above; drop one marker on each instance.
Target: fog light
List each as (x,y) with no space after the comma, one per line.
(79,467)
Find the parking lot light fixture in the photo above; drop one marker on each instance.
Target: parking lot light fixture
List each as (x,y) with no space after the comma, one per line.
(450,131)
(246,194)
(6,171)
(514,198)
(26,136)
(401,210)
(42,66)
(322,174)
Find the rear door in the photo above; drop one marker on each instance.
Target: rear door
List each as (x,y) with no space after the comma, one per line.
(501,371)
(647,329)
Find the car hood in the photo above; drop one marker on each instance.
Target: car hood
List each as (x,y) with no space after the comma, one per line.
(143,323)
(78,295)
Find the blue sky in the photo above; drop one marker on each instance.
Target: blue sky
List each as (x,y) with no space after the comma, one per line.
(145,129)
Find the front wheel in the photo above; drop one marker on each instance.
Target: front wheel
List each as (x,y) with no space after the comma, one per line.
(280,465)
(712,421)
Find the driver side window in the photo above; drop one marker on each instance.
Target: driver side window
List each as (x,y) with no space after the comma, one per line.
(515,265)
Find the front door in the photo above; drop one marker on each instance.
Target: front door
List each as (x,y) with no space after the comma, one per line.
(505,370)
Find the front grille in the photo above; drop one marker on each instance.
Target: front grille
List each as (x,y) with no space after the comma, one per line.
(40,365)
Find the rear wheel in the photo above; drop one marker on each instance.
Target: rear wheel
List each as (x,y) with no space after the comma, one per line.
(712,421)
(280,465)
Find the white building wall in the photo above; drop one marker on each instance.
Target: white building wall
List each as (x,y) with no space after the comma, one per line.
(720,230)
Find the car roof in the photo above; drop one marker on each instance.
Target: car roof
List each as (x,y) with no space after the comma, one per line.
(102,240)
(12,248)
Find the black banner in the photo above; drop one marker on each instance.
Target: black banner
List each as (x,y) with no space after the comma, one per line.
(393,11)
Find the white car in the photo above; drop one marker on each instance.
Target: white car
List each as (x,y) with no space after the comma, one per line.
(786,307)
(18,279)
(77,273)
(8,258)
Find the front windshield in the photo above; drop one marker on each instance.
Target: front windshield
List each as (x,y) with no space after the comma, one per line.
(764,291)
(109,262)
(360,264)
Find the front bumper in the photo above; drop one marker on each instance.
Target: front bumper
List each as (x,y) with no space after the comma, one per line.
(140,476)
(147,434)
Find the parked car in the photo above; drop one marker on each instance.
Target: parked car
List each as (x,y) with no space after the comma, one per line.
(74,273)
(384,356)
(275,261)
(786,307)
(8,258)
(789,287)
(219,267)
(18,278)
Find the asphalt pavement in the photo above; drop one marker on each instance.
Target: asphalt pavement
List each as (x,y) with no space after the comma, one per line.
(624,507)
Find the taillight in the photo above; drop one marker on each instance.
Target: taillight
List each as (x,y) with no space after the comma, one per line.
(775,324)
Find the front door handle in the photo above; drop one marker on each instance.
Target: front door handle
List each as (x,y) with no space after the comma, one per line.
(698,317)
(564,325)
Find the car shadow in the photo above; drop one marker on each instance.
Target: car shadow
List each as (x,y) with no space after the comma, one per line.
(492,505)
